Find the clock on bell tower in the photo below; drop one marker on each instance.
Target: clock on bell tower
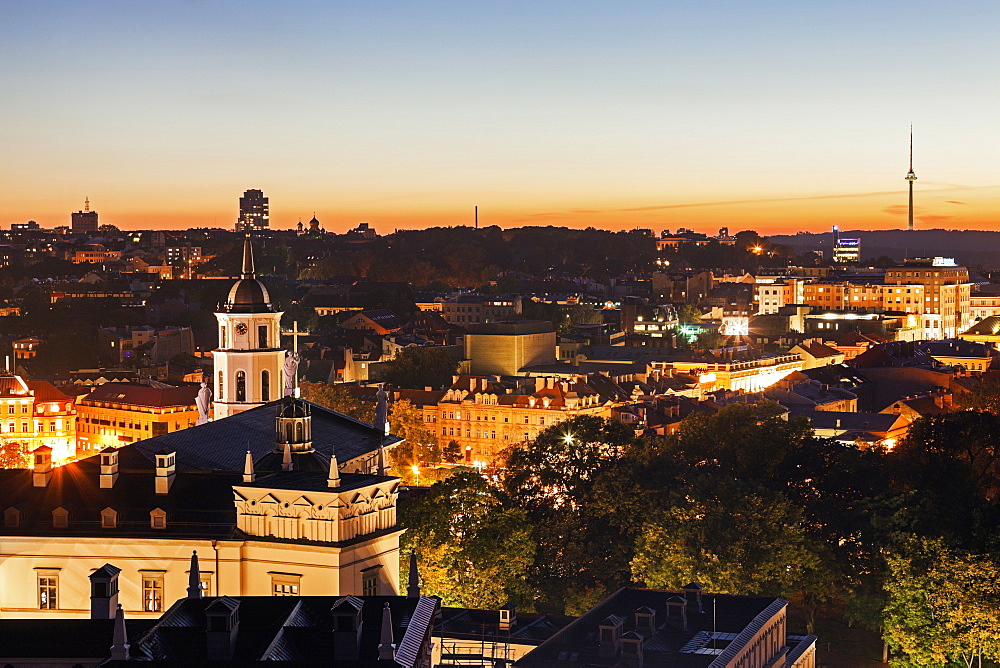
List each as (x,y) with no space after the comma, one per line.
(249,358)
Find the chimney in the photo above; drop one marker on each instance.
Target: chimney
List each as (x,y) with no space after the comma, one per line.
(413,581)
(692,594)
(194,577)
(386,650)
(42,469)
(165,471)
(677,610)
(104,592)
(109,467)
(347,627)
(119,639)
(508,617)
(222,621)
(248,472)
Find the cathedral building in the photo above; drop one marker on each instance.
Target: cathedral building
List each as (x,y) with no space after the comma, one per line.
(286,499)
(249,361)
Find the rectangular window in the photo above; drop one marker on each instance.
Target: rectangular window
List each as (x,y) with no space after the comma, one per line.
(152,592)
(285,584)
(369,581)
(262,336)
(48,591)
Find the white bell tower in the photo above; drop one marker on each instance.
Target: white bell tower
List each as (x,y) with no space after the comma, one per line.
(249,359)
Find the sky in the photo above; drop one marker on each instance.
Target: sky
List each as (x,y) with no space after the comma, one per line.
(778,116)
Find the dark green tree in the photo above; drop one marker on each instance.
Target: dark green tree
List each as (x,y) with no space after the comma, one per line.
(420,367)
(473,550)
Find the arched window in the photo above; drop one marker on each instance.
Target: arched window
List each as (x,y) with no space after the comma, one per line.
(241,386)
(265,386)
(288,433)
(222,384)
(298,432)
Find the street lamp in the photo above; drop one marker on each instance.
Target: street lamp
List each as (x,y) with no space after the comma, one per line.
(568,438)
(416,473)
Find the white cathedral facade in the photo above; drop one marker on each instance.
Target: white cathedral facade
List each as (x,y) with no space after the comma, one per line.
(249,362)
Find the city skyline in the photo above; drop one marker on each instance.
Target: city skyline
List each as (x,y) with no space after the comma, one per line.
(777,118)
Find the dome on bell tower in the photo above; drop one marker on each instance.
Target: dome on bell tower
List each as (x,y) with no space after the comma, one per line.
(248,295)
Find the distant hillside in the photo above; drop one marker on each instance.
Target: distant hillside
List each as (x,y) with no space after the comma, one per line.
(970,247)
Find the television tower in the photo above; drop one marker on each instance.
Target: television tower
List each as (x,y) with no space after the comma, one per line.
(911,177)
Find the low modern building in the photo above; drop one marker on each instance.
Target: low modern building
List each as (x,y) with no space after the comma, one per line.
(505,348)
(651,627)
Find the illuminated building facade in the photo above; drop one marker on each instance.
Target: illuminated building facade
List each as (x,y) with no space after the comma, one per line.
(749,375)
(36,413)
(946,293)
(116,414)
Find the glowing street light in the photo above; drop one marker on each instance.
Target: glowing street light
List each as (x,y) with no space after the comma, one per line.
(416,473)
(568,439)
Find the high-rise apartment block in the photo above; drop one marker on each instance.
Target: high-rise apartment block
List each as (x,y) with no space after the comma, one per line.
(86,220)
(253,212)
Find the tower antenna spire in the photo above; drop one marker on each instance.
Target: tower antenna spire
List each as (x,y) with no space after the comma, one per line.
(86,203)
(910,178)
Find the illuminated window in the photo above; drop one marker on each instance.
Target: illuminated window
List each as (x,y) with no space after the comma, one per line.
(285,584)
(241,386)
(48,590)
(152,592)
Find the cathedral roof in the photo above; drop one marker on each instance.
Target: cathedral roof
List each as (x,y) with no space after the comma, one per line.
(221,445)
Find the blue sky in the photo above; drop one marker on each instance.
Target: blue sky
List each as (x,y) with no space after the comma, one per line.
(408,114)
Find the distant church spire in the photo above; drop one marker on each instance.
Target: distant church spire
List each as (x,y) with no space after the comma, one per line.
(910,178)
(248,268)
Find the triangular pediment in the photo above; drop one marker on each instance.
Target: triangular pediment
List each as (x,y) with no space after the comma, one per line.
(268,498)
(302,501)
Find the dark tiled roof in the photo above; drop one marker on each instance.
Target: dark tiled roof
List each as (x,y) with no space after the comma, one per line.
(529,628)
(868,422)
(144,395)
(289,629)
(577,644)
(314,481)
(198,505)
(988,326)
(221,445)
(63,638)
